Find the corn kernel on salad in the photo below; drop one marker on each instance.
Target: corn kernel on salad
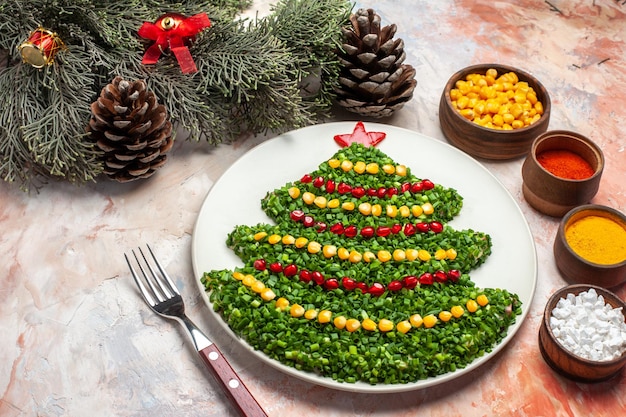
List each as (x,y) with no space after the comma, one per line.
(361,278)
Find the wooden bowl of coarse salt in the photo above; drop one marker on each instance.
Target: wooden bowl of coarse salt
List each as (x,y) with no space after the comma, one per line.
(590,246)
(583,333)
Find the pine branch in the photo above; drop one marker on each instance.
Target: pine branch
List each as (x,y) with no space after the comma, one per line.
(313,43)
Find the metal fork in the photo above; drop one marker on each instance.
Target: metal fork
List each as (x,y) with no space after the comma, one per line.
(162,296)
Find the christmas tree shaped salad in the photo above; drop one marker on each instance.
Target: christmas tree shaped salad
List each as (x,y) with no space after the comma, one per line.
(361,278)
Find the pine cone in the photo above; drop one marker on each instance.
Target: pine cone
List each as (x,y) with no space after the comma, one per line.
(131,129)
(374,81)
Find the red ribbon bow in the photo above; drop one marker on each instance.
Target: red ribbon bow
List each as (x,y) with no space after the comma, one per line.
(173,31)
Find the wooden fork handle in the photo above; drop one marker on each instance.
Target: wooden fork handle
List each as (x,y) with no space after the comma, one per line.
(233,386)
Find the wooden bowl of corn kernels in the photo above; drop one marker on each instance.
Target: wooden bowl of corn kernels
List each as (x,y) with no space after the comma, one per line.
(493,111)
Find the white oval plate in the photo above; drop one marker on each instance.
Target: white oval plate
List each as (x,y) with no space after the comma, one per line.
(487,206)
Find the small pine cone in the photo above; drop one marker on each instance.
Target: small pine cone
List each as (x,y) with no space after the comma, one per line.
(132,130)
(373,82)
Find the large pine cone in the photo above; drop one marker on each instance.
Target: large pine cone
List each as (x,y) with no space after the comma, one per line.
(131,128)
(374,81)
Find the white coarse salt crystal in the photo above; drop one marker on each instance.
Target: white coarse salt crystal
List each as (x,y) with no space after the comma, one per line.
(589,327)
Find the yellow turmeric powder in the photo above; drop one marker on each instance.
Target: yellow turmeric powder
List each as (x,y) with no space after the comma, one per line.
(598,239)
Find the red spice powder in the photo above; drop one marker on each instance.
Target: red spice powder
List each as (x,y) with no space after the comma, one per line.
(565,164)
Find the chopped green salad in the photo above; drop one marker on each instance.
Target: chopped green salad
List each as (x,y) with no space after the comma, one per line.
(361,278)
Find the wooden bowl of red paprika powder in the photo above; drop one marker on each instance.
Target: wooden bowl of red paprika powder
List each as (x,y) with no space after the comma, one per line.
(562,171)
(590,246)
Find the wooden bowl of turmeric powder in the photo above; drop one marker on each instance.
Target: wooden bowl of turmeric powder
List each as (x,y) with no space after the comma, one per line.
(493,111)
(590,246)
(562,171)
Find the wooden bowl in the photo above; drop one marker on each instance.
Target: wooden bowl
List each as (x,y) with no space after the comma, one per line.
(574,267)
(562,360)
(553,195)
(488,143)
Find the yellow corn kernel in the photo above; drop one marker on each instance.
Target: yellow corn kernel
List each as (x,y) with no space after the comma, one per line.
(498,120)
(352,325)
(417,210)
(430,320)
(301,242)
(369,324)
(385,325)
(411,254)
(259,236)
(359,167)
(308,197)
(282,303)
(516,110)
(288,240)
(445,316)
(365,209)
(257,287)
(346,165)
(492,106)
(451,254)
(457,311)
(517,124)
(267,294)
(310,314)
(463,86)
(507,126)
(334,203)
(423,255)
(455,94)
(348,206)
(389,169)
(383,255)
(404,211)
(274,239)
(314,247)
(368,256)
(329,251)
(479,108)
(440,254)
(377,210)
(343,253)
(248,280)
(508,118)
(320,201)
(462,102)
(428,208)
(416,320)
(324,316)
(238,275)
(296,310)
(482,300)
(391,210)
(334,163)
(294,192)
(538,107)
(371,168)
(492,72)
(355,257)
(520,97)
(467,113)
(531,96)
(535,118)
(340,322)
(403,327)
(471,306)
(401,170)
(399,255)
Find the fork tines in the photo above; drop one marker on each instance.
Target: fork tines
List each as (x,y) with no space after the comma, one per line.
(161,287)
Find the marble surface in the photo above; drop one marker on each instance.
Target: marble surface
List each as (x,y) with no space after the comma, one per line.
(76,339)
